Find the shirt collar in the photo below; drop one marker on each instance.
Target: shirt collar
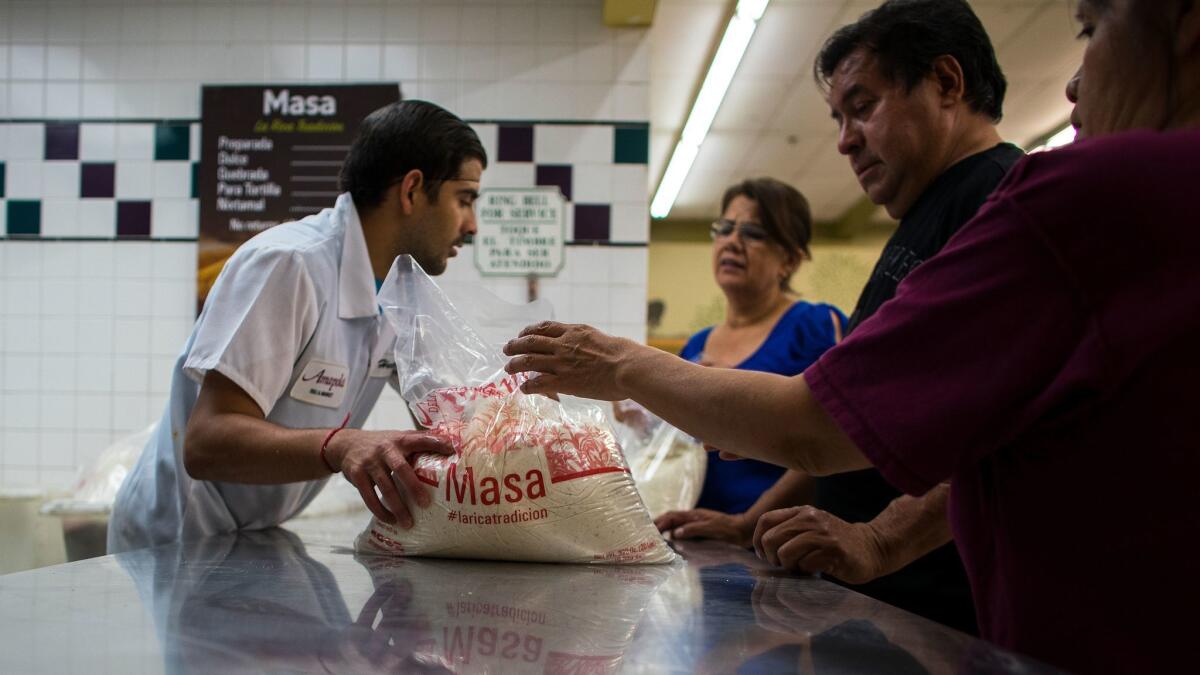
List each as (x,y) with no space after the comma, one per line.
(356,281)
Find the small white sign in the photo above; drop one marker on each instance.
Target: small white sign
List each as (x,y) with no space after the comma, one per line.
(521,232)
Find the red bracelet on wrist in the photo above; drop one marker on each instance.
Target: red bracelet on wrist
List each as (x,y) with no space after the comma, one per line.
(328,438)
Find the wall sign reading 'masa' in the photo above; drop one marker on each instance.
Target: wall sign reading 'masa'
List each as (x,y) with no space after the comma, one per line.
(270,154)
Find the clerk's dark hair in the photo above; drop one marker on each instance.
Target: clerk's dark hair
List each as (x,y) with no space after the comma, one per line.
(403,136)
(906,36)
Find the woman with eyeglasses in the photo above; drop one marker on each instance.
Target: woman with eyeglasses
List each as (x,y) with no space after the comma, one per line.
(758,244)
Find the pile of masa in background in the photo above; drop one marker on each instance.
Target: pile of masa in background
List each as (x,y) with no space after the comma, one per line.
(531,479)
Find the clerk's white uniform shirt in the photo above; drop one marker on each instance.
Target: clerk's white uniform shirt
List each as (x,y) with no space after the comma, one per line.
(293,321)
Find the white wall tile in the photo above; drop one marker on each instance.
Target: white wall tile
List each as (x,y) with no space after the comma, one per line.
(67,25)
(94,338)
(593,183)
(56,335)
(26,99)
(101,24)
(325,62)
(556,24)
(99,100)
(477,24)
(172,180)
(214,23)
(177,23)
(25,141)
(58,372)
(170,298)
(174,261)
(131,375)
(21,410)
(629,265)
(135,179)
(590,303)
(401,62)
(21,371)
(174,218)
(20,298)
(177,100)
(139,23)
(248,61)
(132,298)
(364,62)
(162,369)
(22,336)
(136,99)
(439,23)
(63,100)
(135,61)
(27,61)
(60,179)
(516,27)
(508,174)
(443,93)
(517,62)
(402,23)
(556,62)
(93,411)
(23,260)
(631,101)
(288,22)
(95,374)
(135,141)
(133,260)
(64,62)
(250,21)
(131,412)
(60,217)
(478,63)
(167,336)
(97,218)
(364,23)
(23,179)
(100,61)
(20,449)
(96,300)
(630,222)
(131,336)
(630,183)
(326,23)
(627,304)
(60,297)
(439,62)
(488,135)
(286,62)
(589,264)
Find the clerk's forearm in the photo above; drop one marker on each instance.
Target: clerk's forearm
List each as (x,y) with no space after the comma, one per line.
(911,527)
(750,414)
(239,448)
(794,488)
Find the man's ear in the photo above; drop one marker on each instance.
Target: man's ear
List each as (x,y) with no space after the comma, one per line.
(947,74)
(1187,36)
(407,189)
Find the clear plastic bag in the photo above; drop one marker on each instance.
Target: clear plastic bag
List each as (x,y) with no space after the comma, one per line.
(532,479)
(667,464)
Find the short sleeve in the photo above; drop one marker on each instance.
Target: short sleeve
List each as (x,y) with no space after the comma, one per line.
(257,319)
(979,343)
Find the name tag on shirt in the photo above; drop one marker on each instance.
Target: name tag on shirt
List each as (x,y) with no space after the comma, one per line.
(321,383)
(383,367)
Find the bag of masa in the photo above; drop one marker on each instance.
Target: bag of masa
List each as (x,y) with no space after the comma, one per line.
(531,479)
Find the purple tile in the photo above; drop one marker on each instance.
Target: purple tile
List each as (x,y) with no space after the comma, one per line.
(133,220)
(555,174)
(515,144)
(62,141)
(592,222)
(96,179)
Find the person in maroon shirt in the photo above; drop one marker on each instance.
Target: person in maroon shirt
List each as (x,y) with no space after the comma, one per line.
(1045,362)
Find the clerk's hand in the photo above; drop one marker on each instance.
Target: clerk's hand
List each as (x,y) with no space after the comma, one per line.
(805,539)
(383,460)
(735,528)
(569,359)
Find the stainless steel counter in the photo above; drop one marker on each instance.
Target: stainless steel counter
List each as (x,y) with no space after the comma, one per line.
(300,601)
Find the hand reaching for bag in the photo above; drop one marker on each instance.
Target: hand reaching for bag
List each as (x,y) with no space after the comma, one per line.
(383,459)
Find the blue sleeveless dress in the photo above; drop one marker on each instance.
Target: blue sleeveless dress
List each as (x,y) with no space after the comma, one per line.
(798,339)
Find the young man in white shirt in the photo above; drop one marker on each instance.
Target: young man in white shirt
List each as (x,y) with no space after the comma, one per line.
(290,352)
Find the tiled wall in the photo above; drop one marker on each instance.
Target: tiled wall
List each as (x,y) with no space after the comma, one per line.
(99,106)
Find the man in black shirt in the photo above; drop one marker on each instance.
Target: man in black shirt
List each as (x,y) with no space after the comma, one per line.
(916,91)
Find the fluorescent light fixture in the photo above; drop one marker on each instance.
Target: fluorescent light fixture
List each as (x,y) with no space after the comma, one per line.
(720,73)
(1064,136)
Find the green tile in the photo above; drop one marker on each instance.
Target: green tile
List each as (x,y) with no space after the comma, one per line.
(24,217)
(1,180)
(195,180)
(631,145)
(172,141)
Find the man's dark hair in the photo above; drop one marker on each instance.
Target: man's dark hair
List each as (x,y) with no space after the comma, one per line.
(906,36)
(401,137)
(782,211)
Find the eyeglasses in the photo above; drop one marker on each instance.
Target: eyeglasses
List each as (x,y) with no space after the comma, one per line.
(749,232)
